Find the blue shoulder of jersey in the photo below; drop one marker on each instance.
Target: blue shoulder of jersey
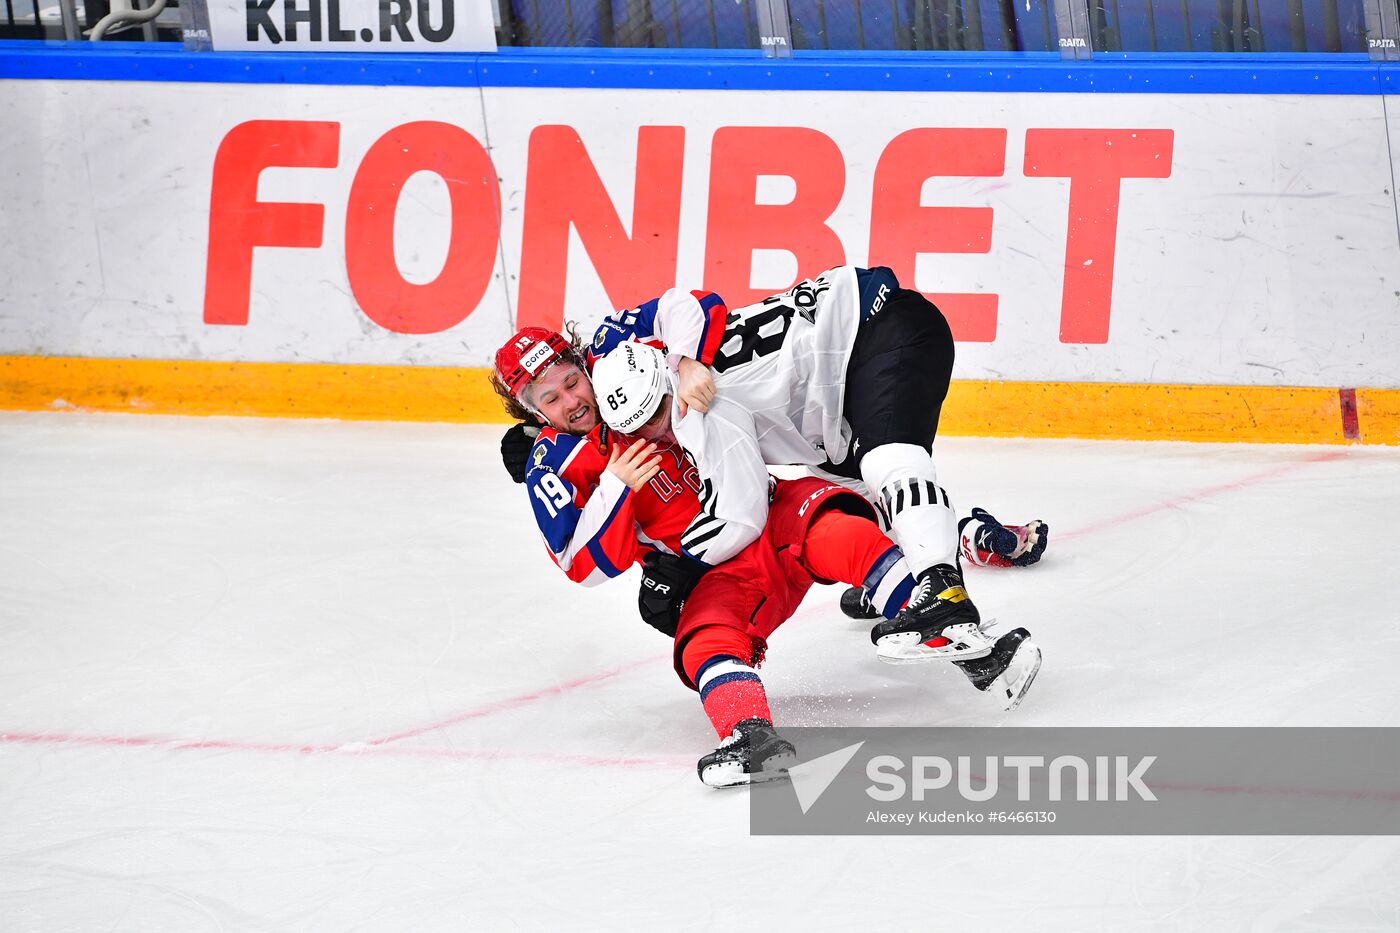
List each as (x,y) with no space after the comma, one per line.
(550,452)
(637,323)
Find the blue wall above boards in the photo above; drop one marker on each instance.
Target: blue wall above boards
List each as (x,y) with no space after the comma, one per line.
(1029,72)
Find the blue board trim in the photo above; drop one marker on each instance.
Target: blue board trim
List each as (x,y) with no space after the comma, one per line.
(705,69)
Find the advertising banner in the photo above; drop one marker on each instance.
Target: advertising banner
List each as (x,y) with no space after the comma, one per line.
(1155,238)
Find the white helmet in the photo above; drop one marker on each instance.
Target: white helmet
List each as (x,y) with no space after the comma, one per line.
(630,382)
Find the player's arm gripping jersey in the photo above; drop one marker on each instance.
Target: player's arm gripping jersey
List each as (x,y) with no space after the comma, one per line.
(682,323)
(584,512)
(723,444)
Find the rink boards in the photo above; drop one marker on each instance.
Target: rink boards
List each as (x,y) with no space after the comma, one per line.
(1213,264)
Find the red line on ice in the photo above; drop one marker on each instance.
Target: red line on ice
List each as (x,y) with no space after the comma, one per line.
(354,749)
(1206,493)
(513,702)
(364,749)
(1253,791)
(371,746)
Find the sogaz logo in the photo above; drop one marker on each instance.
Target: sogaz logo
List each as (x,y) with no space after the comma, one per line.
(536,358)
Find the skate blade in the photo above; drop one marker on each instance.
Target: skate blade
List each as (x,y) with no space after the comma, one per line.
(1015,682)
(732,773)
(965,643)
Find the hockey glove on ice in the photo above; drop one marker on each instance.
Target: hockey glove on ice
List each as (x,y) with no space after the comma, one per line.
(515,448)
(666,582)
(988,543)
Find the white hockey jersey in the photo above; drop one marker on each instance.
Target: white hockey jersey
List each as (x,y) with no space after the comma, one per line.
(784,360)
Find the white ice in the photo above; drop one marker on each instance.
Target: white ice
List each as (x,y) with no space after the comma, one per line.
(282,675)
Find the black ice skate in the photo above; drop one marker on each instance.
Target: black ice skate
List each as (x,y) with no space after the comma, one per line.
(856,606)
(940,623)
(753,753)
(1006,673)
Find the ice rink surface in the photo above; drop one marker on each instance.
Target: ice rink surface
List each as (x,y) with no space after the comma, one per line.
(280,675)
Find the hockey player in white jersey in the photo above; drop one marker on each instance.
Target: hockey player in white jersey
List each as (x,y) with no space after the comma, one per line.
(845,373)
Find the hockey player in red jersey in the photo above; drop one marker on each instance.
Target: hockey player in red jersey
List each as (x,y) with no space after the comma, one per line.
(845,373)
(600,508)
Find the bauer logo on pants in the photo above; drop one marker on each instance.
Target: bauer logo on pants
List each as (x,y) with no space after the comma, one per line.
(1156,781)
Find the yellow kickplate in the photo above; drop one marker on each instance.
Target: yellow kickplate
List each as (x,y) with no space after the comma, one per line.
(1269,414)
(280,390)
(1262,414)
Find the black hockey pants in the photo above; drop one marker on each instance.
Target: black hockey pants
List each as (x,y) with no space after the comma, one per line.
(897,378)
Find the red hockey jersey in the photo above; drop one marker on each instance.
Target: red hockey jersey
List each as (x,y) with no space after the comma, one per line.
(591,522)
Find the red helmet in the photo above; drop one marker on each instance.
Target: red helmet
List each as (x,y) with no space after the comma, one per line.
(528,354)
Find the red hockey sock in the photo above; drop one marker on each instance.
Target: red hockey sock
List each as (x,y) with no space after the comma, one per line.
(843,547)
(716,660)
(731,692)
